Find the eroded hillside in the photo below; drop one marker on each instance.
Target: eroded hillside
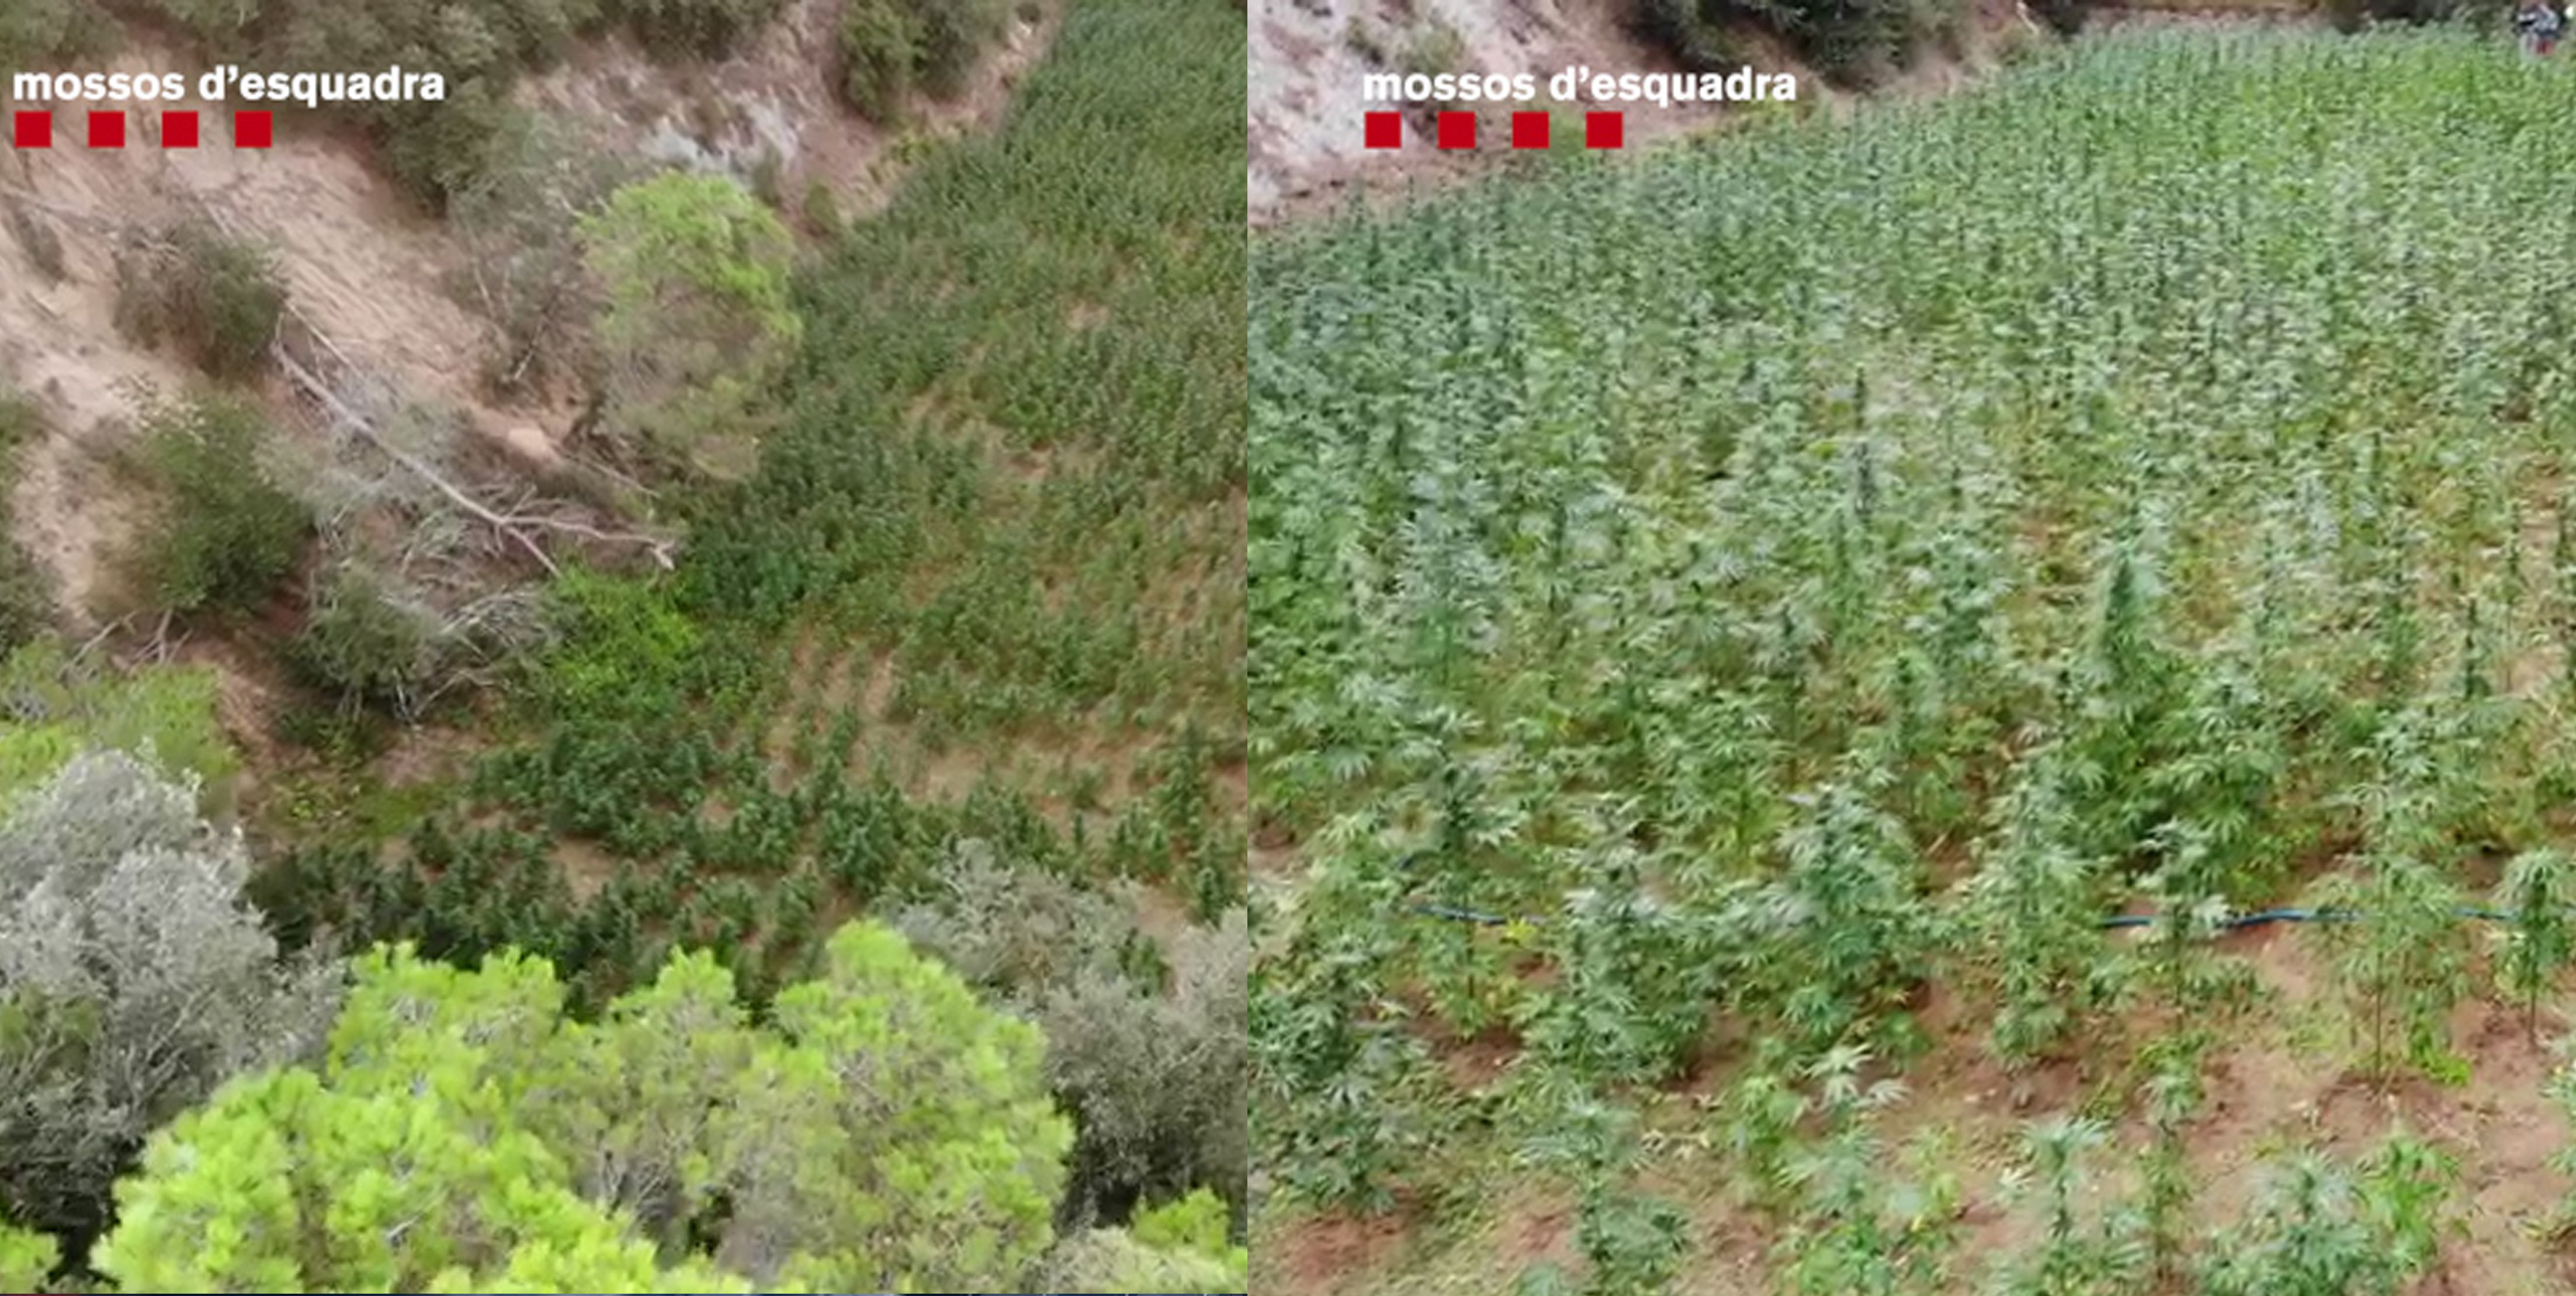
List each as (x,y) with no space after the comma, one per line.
(392,287)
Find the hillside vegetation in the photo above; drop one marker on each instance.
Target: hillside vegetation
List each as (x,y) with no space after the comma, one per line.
(852,900)
(1728,628)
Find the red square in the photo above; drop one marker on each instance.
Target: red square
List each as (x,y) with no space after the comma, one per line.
(107,130)
(1602,130)
(251,128)
(179,129)
(32,130)
(1385,130)
(1457,130)
(1529,130)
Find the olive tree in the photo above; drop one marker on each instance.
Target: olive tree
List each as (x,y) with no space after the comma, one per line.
(1151,1062)
(133,980)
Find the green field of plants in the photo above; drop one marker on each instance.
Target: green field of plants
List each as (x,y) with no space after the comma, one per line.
(798,846)
(1728,628)
(978,528)
(970,638)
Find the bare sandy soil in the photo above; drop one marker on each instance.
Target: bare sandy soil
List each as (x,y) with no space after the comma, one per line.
(1307,57)
(774,105)
(366,267)
(1303,144)
(2283,1079)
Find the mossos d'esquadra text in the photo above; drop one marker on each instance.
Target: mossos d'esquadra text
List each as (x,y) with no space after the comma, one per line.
(1663,89)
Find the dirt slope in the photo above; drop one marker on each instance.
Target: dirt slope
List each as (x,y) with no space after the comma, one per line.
(1307,58)
(368,268)
(1303,147)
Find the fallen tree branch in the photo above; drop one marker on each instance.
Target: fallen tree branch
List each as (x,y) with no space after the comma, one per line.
(358,423)
(660,549)
(514,525)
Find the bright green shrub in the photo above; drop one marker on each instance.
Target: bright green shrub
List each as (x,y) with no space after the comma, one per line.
(1180,1246)
(59,706)
(697,320)
(624,643)
(885,1132)
(26,1259)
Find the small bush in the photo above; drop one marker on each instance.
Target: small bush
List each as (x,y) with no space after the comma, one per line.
(431,149)
(708,28)
(1683,30)
(36,238)
(26,589)
(60,707)
(366,645)
(1436,48)
(225,534)
(26,597)
(220,24)
(524,268)
(1178,1247)
(768,177)
(218,300)
(822,213)
(625,644)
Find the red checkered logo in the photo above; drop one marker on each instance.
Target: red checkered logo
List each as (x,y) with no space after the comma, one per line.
(1457,130)
(33,128)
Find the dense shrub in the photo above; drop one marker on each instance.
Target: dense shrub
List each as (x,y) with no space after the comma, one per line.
(430,148)
(47,33)
(58,708)
(523,267)
(698,321)
(366,644)
(955,34)
(880,48)
(890,46)
(1155,1080)
(1846,39)
(216,298)
(1178,1247)
(26,596)
(133,980)
(224,534)
(26,591)
(881,1131)
(708,28)
(435,151)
